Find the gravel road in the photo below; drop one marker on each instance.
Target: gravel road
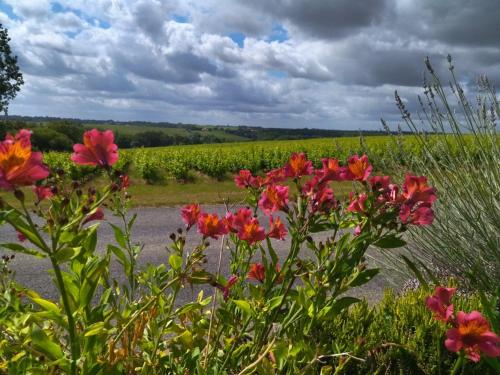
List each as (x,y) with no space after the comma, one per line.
(153,227)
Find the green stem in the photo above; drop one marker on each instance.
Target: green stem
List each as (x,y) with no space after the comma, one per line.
(75,347)
(459,365)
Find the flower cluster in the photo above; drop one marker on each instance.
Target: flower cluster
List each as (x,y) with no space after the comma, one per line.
(412,202)
(470,332)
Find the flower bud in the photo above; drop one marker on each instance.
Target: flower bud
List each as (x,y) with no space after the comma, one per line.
(19,195)
(172,236)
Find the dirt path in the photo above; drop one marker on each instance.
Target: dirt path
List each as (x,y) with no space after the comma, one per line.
(153,227)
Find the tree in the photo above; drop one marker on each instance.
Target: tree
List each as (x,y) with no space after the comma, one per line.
(11,78)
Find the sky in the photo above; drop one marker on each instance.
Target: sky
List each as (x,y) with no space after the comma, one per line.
(277,63)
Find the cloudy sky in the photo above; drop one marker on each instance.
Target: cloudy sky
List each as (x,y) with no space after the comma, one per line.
(283,63)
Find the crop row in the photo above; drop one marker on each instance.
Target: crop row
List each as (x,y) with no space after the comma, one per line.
(217,160)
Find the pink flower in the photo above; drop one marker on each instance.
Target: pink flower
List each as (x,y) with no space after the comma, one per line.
(21,237)
(98,148)
(358,168)
(251,232)
(242,216)
(331,171)
(380,183)
(233,279)
(19,166)
(323,200)
(276,229)
(298,166)
(257,272)
(244,179)
(124,181)
(357,230)
(440,303)
(422,215)
(190,214)
(97,215)
(275,176)
(274,198)
(472,334)
(415,189)
(358,205)
(43,192)
(211,226)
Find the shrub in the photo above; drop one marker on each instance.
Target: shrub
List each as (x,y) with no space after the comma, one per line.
(461,155)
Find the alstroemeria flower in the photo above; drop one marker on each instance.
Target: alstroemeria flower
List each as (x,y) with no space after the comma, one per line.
(331,171)
(415,189)
(233,279)
(257,272)
(98,148)
(358,204)
(323,200)
(298,166)
(273,198)
(245,179)
(473,335)
(358,168)
(190,214)
(380,183)
(19,166)
(43,192)
(276,229)
(242,216)
(251,231)
(440,303)
(275,176)
(422,215)
(97,215)
(211,226)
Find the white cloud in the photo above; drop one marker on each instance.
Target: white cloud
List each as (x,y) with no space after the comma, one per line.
(133,60)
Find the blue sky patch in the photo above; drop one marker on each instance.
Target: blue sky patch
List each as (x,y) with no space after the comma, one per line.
(179,18)
(278,33)
(58,8)
(280,74)
(238,38)
(7,9)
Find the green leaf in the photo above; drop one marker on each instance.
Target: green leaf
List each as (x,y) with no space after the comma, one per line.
(274,302)
(46,304)
(343,303)
(21,249)
(65,254)
(95,329)
(244,306)
(390,242)
(119,236)
(44,344)
(175,261)
(363,277)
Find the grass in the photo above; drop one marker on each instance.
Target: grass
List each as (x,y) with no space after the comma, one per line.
(203,190)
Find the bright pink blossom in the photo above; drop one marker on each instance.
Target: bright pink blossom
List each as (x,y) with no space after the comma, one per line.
(257,272)
(190,214)
(358,168)
(276,229)
(274,198)
(251,231)
(415,189)
(422,215)
(19,166)
(211,226)
(275,176)
(43,192)
(331,171)
(97,215)
(358,204)
(473,335)
(226,290)
(245,179)
(357,230)
(298,166)
(98,148)
(323,200)
(440,303)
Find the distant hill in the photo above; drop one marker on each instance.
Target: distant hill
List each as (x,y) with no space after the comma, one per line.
(54,133)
